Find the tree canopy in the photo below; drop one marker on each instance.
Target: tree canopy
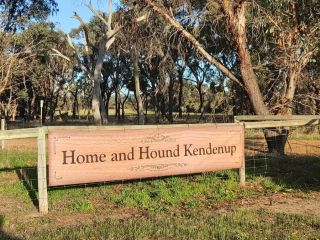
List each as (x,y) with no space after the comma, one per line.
(168,57)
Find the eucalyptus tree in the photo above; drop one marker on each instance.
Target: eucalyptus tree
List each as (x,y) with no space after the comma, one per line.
(16,57)
(308,93)
(116,79)
(199,73)
(138,42)
(286,39)
(135,42)
(98,36)
(44,76)
(234,15)
(15,14)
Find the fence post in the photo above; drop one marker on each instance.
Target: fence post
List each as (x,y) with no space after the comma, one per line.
(3,127)
(242,169)
(42,172)
(242,174)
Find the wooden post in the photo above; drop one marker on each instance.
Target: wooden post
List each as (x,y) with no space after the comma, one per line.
(3,127)
(242,174)
(235,119)
(41,112)
(242,169)
(42,172)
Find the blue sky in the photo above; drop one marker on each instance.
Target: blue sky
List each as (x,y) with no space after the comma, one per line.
(63,18)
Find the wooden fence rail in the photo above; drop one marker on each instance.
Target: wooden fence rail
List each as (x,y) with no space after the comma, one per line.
(247,118)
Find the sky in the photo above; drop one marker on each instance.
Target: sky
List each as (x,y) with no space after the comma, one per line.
(63,19)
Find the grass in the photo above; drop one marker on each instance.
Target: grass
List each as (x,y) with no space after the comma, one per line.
(166,208)
(300,133)
(81,205)
(158,195)
(17,158)
(163,194)
(239,224)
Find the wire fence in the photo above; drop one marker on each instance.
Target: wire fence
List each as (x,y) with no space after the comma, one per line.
(18,164)
(302,146)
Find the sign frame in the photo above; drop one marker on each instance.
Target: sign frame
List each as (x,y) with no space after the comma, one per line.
(108,155)
(42,171)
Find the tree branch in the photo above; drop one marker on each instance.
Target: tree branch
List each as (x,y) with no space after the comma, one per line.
(175,24)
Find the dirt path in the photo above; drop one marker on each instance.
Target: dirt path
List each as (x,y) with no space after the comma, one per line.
(27,143)
(291,203)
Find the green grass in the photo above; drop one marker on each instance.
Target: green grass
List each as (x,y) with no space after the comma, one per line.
(158,195)
(162,194)
(168,208)
(300,133)
(240,224)
(17,158)
(81,205)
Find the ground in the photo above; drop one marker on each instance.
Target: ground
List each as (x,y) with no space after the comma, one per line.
(280,201)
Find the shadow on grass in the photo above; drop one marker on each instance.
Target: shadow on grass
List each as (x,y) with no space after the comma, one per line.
(3,234)
(28,177)
(296,172)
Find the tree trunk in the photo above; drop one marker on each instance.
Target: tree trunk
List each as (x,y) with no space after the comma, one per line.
(201,99)
(276,140)
(123,103)
(107,102)
(116,100)
(170,92)
(180,96)
(32,109)
(237,24)
(98,108)
(123,111)
(53,106)
(119,106)
(75,105)
(137,90)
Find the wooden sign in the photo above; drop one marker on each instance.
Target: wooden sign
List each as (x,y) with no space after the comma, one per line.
(86,156)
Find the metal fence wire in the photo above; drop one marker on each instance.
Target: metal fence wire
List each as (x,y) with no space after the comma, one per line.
(302,145)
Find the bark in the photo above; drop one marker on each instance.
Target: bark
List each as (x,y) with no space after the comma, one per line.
(75,105)
(107,102)
(116,100)
(53,106)
(98,108)
(237,25)
(180,95)
(170,107)
(97,104)
(118,114)
(137,90)
(201,100)
(123,111)
(123,105)
(155,97)
(276,140)
(32,105)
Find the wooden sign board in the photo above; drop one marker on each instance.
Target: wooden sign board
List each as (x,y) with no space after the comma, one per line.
(87,156)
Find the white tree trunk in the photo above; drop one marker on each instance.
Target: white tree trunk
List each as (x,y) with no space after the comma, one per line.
(136,76)
(98,108)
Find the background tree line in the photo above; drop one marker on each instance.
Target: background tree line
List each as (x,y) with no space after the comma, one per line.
(166,57)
